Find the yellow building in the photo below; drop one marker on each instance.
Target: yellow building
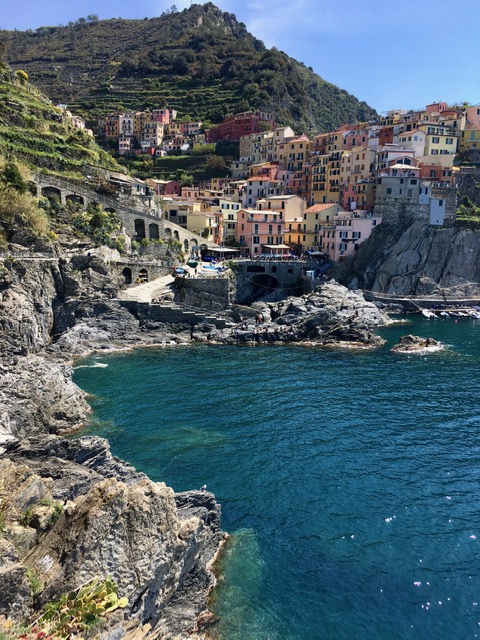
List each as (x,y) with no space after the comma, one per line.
(141,118)
(317,179)
(333,182)
(469,139)
(439,140)
(304,232)
(294,152)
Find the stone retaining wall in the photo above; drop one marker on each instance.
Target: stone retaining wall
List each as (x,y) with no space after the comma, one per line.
(210,294)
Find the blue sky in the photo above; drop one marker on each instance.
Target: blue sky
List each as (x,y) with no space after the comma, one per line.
(390,54)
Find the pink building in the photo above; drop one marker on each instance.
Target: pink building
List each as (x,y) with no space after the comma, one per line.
(436,107)
(349,229)
(472,117)
(260,231)
(164,116)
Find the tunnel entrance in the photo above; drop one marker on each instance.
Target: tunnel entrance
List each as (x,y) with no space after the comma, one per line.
(262,285)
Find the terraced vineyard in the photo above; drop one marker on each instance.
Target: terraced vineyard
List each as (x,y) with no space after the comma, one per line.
(40,135)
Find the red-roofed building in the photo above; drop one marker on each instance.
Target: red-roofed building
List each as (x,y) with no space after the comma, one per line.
(241,124)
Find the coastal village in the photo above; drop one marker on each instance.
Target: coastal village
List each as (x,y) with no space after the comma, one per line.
(290,193)
(94,259)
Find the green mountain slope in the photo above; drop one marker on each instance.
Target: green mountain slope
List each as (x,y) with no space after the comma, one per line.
(200,61)
(39,135)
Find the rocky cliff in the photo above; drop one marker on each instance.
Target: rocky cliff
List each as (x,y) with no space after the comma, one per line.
(69,511)
(419,260)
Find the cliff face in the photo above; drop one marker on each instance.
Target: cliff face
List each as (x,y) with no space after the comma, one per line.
(420,260)
(112,520)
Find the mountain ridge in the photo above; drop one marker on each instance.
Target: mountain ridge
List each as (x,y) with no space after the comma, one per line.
(201,61)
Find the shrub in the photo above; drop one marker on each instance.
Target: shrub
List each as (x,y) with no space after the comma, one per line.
(21,210)
(78,610)
(12,176)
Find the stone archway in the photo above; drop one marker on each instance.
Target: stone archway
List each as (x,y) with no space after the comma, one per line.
(76,200)
(139,229)
(186,245)
(262,284)
(127,274)
(153,231)
(168,231)
(175,235)
(52,193)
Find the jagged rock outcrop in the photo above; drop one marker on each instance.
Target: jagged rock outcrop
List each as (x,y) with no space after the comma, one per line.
(416,344)
(110,521)
(420,260)
(331,315)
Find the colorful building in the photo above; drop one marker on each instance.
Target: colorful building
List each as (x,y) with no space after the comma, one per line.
(241,124)
(258,231)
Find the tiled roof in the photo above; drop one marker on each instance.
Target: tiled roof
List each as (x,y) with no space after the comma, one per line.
(319,207)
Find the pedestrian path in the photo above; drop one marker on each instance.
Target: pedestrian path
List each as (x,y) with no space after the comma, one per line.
(146,291)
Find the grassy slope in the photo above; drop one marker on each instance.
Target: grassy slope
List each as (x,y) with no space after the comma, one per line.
(36,133)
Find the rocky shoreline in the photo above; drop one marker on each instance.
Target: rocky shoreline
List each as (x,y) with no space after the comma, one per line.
(157,545)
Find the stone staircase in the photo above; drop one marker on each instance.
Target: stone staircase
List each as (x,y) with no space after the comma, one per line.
(174,314)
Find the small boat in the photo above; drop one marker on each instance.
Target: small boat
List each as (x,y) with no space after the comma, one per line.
(444,314)
(192,263)
(428,314)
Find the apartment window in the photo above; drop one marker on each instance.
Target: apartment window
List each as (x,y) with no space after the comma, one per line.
(256,240)
(434,152)
(343,246)
(413,182)
(409,193)
(440,203)
(279,228)
(242,239)
(449,140)
(389,190)
(343,234)
(435,140)
(356,235)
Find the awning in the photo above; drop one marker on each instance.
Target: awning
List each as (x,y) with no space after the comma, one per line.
(223,250)
(276,246)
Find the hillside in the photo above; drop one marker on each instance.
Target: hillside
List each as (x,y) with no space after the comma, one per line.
(39,135)
(200,61)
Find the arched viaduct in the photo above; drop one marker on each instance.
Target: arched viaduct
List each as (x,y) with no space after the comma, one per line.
(138,216)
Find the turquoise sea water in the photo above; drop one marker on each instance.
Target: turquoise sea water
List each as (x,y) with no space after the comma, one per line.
(351,481)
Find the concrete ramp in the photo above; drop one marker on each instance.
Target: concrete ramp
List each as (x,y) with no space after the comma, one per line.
(148,290)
